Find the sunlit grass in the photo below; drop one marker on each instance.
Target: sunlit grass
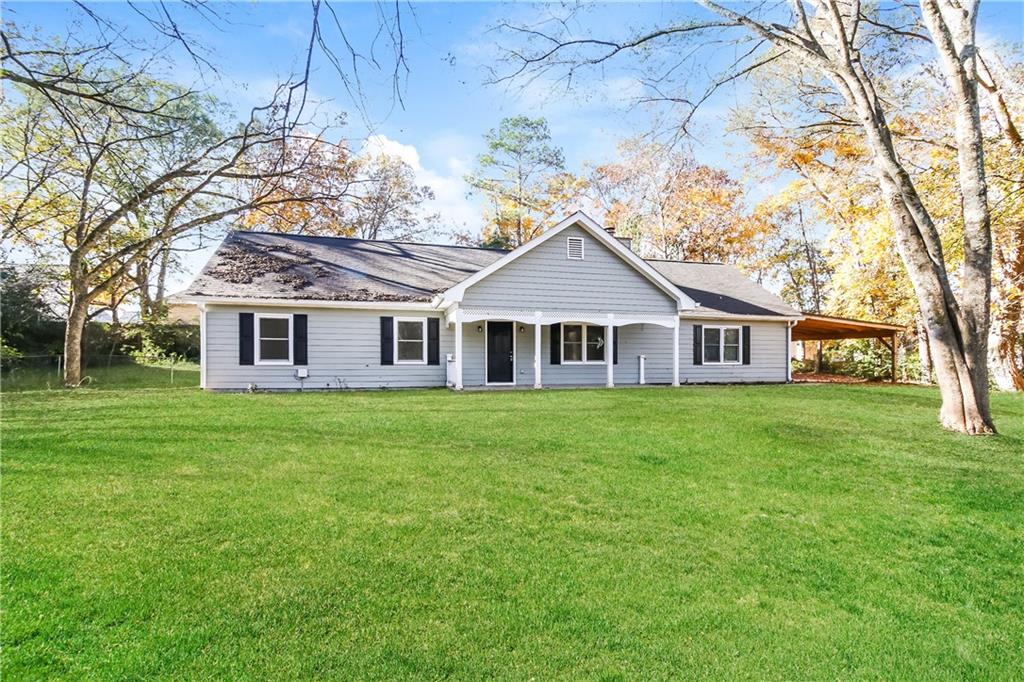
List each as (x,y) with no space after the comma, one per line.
(786,532)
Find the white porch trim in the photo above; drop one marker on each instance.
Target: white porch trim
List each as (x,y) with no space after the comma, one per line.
(536,350)
(458,350)
(675,354)
(609,353)
(557,317)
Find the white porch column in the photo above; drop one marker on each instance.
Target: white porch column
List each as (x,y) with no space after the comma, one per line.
(789,354)
(458,350)
(675,353)
(536,352)
(609,353)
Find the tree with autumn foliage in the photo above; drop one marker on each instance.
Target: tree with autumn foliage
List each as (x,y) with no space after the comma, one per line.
(842,54)
(375,196)
(830,164)
(673,207)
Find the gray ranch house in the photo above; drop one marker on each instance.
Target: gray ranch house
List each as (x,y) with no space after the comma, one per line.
(575,306)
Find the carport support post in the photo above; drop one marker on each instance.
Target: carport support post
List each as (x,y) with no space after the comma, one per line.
(892,348)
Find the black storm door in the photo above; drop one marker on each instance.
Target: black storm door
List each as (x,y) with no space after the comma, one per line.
(499,352)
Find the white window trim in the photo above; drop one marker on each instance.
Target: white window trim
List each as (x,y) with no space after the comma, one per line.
(584,361)
(423,324)
(721,345)
(568,250)
(257,337)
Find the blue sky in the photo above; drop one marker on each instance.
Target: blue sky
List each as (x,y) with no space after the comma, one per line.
(447,104)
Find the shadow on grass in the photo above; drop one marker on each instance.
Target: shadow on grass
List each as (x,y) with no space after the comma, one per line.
(118,376)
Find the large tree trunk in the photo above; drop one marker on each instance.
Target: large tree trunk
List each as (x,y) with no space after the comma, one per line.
(956,353)
(924,353)
(160,309)
(77,316)
(952,26)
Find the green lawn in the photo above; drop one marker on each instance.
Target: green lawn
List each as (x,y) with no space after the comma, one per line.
(788,532)
(120,375)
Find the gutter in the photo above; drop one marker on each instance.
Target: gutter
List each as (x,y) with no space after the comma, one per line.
(790,319)
(305,303)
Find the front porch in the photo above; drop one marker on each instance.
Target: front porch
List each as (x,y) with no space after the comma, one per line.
(538,348)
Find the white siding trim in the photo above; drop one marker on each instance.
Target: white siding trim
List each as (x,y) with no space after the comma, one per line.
(721,344)
(257,350)
(570,243)
(394,340)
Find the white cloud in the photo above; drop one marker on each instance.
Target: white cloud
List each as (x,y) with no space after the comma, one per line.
(457,211)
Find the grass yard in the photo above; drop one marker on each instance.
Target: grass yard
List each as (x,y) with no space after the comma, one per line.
(788,532)
(122,374)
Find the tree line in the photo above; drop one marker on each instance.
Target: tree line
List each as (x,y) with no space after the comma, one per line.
(895,136)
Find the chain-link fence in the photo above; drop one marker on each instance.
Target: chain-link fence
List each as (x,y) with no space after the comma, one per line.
(46,372)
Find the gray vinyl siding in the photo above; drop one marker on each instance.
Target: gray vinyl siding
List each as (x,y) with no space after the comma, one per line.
(768,357)
(544,279)
(344,352)
(343,348)
(769,353)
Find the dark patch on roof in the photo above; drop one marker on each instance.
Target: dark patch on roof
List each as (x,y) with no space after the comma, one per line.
(264,265)
(722,288)
(280,266)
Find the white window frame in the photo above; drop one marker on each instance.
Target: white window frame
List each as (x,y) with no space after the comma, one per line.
(257,337)
(721,345)
(423,324)
(568,249)
(584,361)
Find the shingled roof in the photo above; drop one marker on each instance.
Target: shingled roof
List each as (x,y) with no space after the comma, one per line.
(721,288)
(280,266)
(284,266)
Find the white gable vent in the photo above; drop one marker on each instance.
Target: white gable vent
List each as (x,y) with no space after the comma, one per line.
(574,248)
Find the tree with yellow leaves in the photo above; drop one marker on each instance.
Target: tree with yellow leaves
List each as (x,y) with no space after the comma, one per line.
(673,207)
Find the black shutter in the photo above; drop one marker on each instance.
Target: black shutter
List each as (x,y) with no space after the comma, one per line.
(433,341)
(387,340)
(556,344)
(615,345)
(698,344)
(299,326)
(245,338)
(746,344)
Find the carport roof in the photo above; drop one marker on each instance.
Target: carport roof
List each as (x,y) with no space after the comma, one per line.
(827,328)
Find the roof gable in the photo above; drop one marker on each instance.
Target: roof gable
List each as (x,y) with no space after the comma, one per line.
(587,224)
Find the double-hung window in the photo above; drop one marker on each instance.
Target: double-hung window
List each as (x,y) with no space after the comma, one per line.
(583,344)
(411,340)
(274,339)
(722,345)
